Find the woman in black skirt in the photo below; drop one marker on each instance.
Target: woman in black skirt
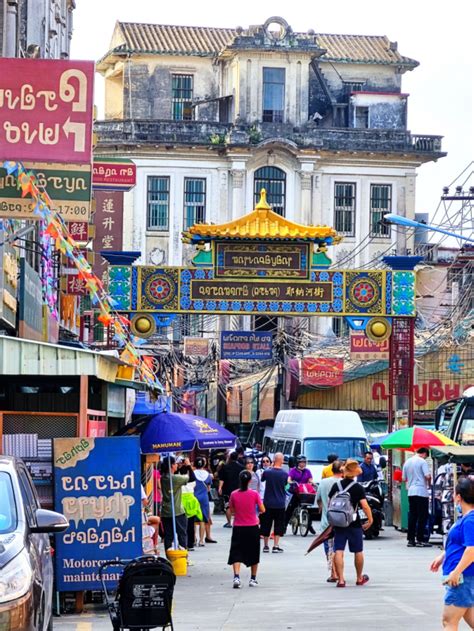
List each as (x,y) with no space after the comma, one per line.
(245,505)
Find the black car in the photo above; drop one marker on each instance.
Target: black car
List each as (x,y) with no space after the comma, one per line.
(26,567)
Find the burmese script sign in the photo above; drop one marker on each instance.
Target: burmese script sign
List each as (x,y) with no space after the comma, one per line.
(69,187)
(327,292)
(363,347)
(264,290)
(114,174)
(97,487)
(246,345)
(322,371)
(46,110)
(257,260)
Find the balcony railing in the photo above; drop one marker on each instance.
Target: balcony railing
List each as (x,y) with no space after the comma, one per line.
(132,132)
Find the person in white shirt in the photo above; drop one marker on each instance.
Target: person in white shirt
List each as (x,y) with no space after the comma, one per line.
(417,478)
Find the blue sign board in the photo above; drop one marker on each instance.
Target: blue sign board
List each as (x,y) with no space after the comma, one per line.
(97,487)
(246,345)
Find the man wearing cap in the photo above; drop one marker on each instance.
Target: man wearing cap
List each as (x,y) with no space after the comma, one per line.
(352,534)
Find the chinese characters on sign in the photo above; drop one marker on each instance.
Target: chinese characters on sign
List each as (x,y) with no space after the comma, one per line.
(79,231)
(212,290)
(46,110)
(246,345)
(108,221)
(364,348)
(321,371)
(97,487)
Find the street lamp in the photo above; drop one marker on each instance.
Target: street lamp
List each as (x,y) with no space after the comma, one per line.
(410,223)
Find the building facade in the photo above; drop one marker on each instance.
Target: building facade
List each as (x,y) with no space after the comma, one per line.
(29,28)
(212,115)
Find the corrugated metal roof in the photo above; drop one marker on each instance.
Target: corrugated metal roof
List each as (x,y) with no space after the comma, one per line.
(207,41)
(27,357)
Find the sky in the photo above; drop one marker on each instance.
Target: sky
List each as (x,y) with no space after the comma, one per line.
(435,33)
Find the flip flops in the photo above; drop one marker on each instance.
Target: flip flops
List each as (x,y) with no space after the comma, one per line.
(341,584)
(363,580)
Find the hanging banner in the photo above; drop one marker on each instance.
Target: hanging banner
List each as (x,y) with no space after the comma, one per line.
(322,371)
(8,282)
(68,185)
(46,110)
(97,487)
(246,345)
(30,300)
(196,346)
(113,174)
(364,348)
(108,223)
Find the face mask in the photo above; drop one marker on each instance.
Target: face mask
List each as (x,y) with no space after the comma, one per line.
(459,510)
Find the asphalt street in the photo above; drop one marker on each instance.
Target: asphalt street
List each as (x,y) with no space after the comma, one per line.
(402,593)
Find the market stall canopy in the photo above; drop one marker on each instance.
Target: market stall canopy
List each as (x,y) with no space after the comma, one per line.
(454,454)
(413,438)
(170,431)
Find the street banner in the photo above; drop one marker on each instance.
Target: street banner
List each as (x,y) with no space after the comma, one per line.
(114,174)
(30,300)
(246,345)
(46,110)
(68,185)
(322,371)
(8,282)
(363,347)
(108,224)
(196,346)
(97,487)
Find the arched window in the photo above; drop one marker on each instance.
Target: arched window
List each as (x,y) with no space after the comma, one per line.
(273,180)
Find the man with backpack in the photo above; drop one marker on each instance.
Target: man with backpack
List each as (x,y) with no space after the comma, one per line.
(346,500)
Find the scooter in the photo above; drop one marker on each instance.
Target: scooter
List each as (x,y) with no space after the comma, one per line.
(375,499)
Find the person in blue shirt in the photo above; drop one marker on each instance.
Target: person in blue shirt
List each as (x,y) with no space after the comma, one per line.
(369,470)
(458,561)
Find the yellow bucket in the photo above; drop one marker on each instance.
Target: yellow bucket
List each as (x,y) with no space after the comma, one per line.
(179,561)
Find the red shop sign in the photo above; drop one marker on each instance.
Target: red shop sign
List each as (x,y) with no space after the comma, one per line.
(46,110)
(321,371)
(118,175)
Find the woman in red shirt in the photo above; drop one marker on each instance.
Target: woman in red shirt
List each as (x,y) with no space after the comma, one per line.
(245,543)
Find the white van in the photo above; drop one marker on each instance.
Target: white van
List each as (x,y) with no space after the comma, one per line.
(317,433)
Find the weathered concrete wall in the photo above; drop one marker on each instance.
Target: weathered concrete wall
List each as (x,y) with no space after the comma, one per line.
(148,87)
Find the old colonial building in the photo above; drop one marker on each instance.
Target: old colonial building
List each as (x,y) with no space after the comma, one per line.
(212,115)
(29,28)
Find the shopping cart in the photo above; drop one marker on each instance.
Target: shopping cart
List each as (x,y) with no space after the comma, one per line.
(144,595)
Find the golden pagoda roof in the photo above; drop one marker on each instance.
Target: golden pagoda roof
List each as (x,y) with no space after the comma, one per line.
(261,223)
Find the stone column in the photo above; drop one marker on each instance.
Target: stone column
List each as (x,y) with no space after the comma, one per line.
(238,193)
(306,180)
(10,29)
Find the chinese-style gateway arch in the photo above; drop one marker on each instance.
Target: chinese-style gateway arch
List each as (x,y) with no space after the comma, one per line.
(264,264)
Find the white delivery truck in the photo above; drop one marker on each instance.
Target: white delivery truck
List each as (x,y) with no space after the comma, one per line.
(317,433)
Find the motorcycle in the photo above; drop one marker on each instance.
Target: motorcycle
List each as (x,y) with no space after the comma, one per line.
(375,499)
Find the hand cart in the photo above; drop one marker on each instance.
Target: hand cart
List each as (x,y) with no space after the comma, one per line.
(144,595)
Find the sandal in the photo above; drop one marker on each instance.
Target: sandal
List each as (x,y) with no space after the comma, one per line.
(363,580)
(341,584)
(331,580)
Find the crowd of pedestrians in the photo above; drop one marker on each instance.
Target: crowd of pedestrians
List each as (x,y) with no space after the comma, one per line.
(258,504)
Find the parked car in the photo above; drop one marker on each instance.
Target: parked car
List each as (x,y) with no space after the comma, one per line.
(26,566)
